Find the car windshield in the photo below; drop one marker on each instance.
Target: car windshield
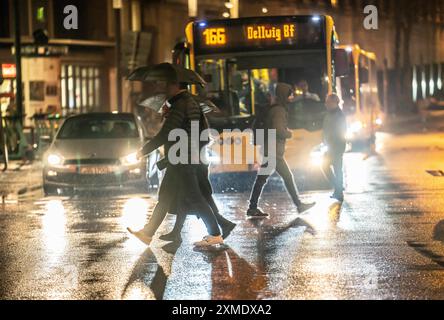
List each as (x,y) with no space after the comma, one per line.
(97,128)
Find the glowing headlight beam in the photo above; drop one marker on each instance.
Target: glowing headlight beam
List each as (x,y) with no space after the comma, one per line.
(130,159)
(54,160)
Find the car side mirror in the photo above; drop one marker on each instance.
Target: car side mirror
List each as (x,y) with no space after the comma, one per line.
(180,53)
(342,66)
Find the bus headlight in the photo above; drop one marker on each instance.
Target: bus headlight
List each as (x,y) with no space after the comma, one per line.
(354,129)
(317,155)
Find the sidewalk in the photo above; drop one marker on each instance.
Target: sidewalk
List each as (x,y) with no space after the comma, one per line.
(20,178)
(414,122)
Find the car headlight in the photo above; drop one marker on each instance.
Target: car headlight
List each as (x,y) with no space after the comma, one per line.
(130,159)
(54,159)
(213,157)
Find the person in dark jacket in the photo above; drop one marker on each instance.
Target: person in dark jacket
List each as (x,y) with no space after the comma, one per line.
(334,131)
(277,119)
(180,191)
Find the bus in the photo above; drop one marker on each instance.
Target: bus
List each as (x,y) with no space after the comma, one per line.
(359,91)
(242,60)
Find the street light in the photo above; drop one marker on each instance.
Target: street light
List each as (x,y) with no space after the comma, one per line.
(233,6)
(229,5)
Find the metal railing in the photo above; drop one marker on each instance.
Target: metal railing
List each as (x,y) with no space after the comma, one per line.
(26,143)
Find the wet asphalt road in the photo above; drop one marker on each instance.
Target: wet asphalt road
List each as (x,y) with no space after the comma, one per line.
(385,242)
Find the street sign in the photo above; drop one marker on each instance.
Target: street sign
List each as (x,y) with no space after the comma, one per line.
(43,51)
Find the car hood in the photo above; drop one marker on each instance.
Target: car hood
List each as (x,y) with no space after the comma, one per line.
(95,148)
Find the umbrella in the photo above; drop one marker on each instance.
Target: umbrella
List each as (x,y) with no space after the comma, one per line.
(166,72)
(156,103)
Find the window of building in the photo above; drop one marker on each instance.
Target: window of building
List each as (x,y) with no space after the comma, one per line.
(4,21)
(81,88)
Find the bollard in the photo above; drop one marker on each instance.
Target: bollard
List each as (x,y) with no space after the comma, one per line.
(4,146)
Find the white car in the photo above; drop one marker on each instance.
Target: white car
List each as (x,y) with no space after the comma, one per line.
(95,151)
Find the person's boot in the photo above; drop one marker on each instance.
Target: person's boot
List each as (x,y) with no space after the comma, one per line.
(209,241)
(227,227)
(338,196)
(256,213)
(141,236)
(173,236)
(302,207)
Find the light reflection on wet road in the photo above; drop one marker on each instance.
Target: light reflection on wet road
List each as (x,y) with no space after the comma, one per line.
(377,245)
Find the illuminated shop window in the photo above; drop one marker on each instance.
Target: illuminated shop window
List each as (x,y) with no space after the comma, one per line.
(415,85)
(81,87)
(432,80)
(439,82)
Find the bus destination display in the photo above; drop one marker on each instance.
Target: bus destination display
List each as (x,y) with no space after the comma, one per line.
(247,34)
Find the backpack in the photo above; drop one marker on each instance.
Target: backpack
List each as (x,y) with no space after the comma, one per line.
(260,123)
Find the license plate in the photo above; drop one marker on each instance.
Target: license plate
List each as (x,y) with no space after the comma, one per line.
(96,170)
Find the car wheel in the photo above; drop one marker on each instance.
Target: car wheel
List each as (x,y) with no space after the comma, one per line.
(49,190)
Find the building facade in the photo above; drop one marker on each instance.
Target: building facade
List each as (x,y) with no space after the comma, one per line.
(84,77)
(78,77)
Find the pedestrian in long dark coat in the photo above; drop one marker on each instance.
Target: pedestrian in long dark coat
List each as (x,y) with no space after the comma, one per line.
(207,190)
(180,191)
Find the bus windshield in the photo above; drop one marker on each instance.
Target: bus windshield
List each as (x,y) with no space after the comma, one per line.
(241,91)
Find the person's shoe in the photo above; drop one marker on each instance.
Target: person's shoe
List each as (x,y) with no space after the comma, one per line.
(171,237)
(141,236)
(227,228)
(338,196)
(302,207)
(209,241)
(256,214)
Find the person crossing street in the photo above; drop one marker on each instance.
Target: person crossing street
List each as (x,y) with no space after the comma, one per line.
(334,131)
(180,191)
(277,119)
